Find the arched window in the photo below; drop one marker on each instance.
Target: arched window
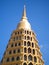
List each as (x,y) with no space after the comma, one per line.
(25,50)
(29,50)
(32,44)
(28,37)
(24,43)
(12,59)
(25,37)
(10,52)
(18,32)
(12,45)
(17,58)
(14,51)
(25,57)
(24,64)
(35,59)
(31,38)
(14,39)
(29,57)
(15,33)
(28,44)
(19,44)
(27,32)
(30,63)
(18,50)
(7,60)
(33,51)
(15,44)
(30,32)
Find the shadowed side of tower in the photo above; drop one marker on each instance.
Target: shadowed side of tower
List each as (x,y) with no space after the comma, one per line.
(23,48)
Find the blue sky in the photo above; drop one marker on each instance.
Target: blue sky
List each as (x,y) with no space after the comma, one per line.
(38,16)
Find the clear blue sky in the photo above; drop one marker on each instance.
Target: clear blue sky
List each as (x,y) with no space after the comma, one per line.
(38,16)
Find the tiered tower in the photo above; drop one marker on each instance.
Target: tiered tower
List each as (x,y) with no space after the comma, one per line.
(23,48)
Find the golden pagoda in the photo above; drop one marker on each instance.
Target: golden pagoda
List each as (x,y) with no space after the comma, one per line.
(23,48)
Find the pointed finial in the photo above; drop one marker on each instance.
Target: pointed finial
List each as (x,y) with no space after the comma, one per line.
(24,12)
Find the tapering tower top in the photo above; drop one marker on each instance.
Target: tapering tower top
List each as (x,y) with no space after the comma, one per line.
(24,12)
(24,24)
